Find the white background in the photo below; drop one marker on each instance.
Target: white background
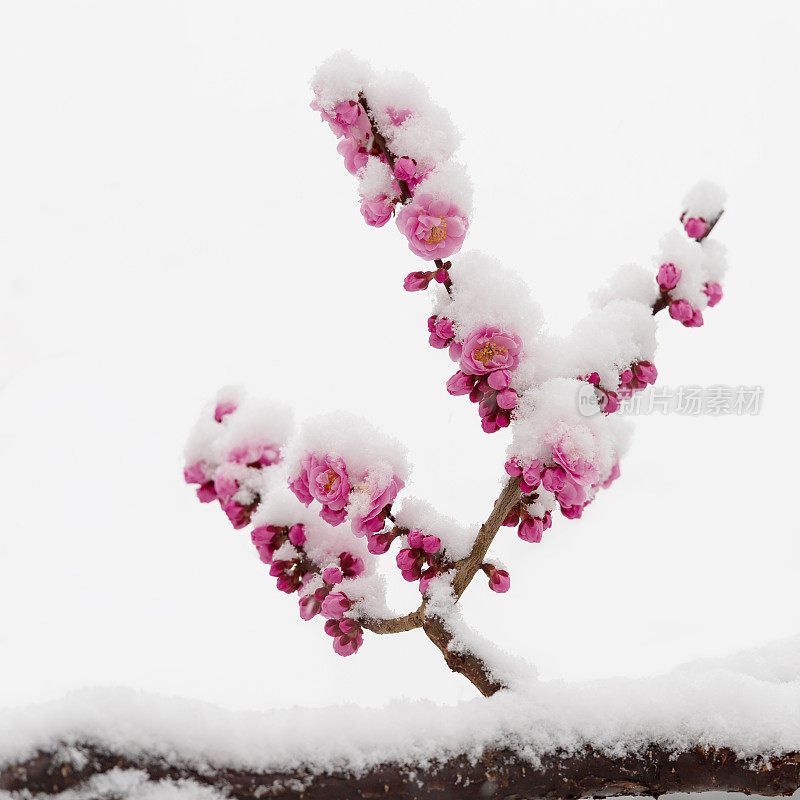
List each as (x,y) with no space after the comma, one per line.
(173,217)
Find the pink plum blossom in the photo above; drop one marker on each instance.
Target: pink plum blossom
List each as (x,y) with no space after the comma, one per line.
(441,332)
(434,228)
(347,118)
(311,604)
(377,211)
(489,348)
(354,155)
(323,478)
(381,491)
(579,469)
(405,169)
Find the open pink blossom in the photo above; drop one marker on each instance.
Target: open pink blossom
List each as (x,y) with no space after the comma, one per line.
(328,483)
(434,228)
(381,491)
(405,169)
(441,332)
(489,348)
(579,469)
(347,118)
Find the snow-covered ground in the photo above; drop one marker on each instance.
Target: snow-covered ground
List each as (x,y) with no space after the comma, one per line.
(173,218)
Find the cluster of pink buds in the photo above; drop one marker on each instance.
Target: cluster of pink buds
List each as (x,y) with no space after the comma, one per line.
(635,378)
(297,573)
(325,478)
(572,480)
(422,559)
(420,280)
(530,527)
(223,481)
(347,635)
(487,358)
(679,309)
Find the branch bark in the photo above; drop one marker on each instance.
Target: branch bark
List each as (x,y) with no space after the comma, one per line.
(495,774)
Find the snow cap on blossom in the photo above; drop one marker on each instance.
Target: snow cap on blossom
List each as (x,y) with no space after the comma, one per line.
(484,292)
(338,79)
(377,211)
(455,539)
(704,201)
(411,123)
(347,466)
(575,443)
(234,441)
(686,256)
(715,260)
(604,342)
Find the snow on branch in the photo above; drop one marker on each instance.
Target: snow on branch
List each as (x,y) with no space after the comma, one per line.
(728,724)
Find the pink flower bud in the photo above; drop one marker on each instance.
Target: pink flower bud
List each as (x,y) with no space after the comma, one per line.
(223,409)
(332,575)
(554,479)
(335,605)
(489,425)
(379,543)
(499,379)
(610,402)
(713,291)
(513,468)
(668,276)
(441,275)
(460,384)
(297,535)
(377,211)
(431,544)
(531,530)
(626,376)
(697,319)
(415,539)
(681,310)
(207,493)
(696,227)
(499,580)
(417,281)
(532,474)
(406,559)
(405,168)
(645,371)
(507,399)
(426,577)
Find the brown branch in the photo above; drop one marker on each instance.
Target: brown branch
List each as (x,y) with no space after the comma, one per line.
(495,774)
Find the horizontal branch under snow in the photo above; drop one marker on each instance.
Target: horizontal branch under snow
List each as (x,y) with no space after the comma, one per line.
(729,724)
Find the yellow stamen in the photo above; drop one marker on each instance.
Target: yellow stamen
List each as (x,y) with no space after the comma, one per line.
(487,352)
(438,232)
(331,476)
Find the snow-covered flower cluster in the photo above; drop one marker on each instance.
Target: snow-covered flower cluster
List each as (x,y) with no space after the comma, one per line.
(563,452)
(351,469)
(232,444)
(690,270)
(399,145)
